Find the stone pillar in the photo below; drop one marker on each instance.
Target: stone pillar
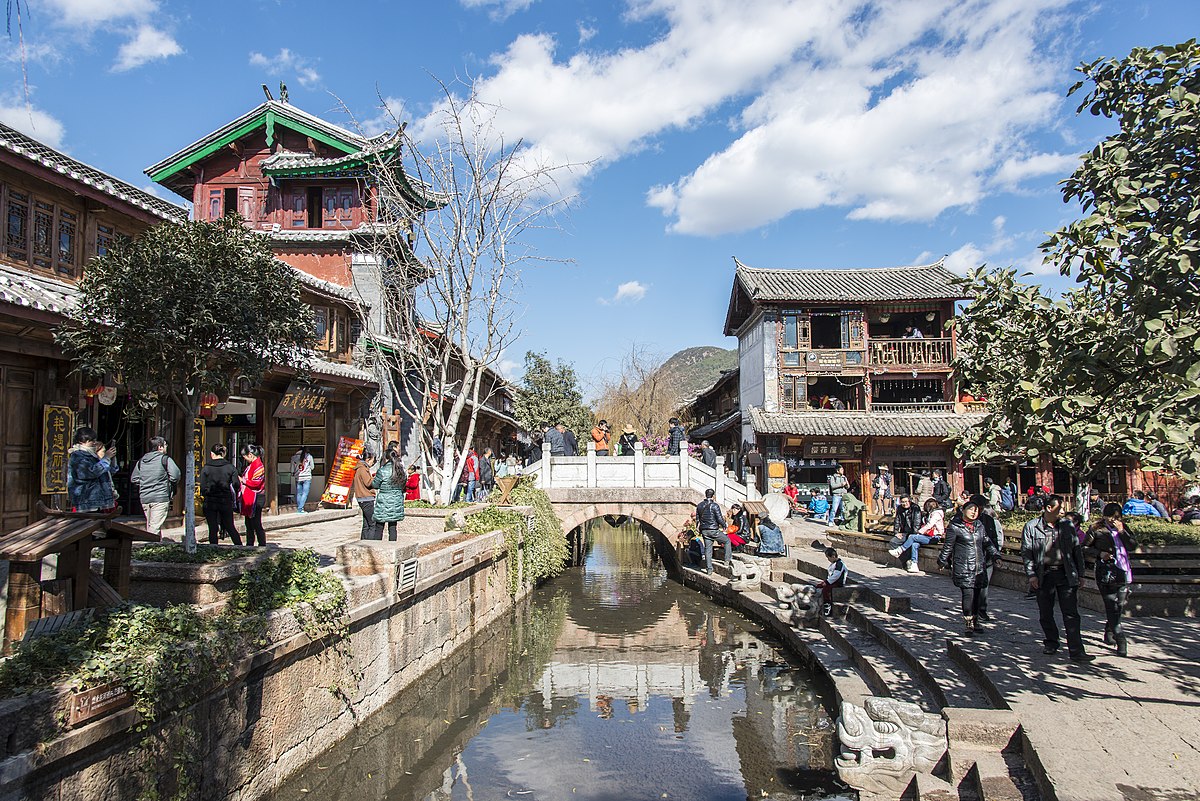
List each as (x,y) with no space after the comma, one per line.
(719,486)
(639,464)
(684,474)
(591,464)
(544,478)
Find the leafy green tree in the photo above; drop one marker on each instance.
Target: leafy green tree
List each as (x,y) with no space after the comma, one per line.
(1113,366)
(184,310)
(550,394)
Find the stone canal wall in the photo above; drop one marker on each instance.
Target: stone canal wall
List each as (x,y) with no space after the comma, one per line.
(284,705)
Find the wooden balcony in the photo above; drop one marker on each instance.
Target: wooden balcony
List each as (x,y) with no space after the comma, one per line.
(912,408)
(911,353)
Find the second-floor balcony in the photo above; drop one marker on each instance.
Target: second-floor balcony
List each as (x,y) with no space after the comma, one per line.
(911,353)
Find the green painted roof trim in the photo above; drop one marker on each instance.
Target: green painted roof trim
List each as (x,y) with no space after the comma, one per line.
(267,119)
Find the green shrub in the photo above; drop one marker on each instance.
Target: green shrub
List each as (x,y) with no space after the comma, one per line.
(546,551)
(428,505)
(205,554)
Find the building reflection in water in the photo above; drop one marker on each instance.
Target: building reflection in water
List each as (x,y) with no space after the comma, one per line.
(618,683)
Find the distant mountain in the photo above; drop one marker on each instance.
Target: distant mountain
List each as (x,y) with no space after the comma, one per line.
(693,370)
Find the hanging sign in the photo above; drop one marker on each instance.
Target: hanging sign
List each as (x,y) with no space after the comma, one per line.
(198,452)
(57,425)
(305,401)
(832,449)
(341,476)
(107,396)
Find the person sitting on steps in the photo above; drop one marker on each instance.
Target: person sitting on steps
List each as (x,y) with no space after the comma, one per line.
(930,533)
(835,576)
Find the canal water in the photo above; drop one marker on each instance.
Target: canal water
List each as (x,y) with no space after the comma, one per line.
(611,682)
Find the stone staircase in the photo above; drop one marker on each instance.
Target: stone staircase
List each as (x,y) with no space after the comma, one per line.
(878,644)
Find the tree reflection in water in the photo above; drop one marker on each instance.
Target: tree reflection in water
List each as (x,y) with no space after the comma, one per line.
(610,682)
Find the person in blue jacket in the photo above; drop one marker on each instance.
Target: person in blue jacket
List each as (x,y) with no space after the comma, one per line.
(1137,505)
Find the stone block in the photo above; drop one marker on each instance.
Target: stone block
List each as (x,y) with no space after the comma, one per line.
(991,729)
(375,557)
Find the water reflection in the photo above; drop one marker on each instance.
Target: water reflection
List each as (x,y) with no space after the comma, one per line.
(611,683)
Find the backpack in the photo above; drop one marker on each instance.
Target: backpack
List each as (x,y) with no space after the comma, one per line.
(172,486)
(1007,501)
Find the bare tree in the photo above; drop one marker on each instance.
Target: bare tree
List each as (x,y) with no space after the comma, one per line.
(639,393)
(454,211)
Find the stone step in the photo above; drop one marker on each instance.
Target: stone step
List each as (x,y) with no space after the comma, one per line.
(925,787)
(884,672)
(991,776)
(853,593)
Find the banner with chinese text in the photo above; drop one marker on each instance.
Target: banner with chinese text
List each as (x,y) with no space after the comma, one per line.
(341,475)
(57,433)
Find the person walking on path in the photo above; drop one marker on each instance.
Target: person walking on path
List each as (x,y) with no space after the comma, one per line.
(364,495)
(487,475)
(602,436)
(995,533)
(219,485)
(254,485)
(711,524)
(570,444)
(627,441)
(835,576)
(468,480)
(883,490)
(302,470)
(389,484)
(966,553)
(675,437)
(708,455)
(838,484)
(992,490)
(1114,543)
(156,476)
(1053,561)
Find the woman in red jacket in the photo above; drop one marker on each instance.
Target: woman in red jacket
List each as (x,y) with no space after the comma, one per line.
(412,486)
(254,484)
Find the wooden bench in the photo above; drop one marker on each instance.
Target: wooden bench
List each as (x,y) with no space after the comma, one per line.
(52,625)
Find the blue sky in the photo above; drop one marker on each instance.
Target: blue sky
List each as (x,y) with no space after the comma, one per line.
(789,134)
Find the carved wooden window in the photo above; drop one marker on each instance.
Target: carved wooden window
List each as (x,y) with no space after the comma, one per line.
(43,234)
(855,327)
(68,226)
(215,204)
(795,337)
(321,326)
(793,392)
(17,226)
(296,209)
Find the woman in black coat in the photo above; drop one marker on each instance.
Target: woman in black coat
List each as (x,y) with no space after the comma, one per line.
(967,552)
(218,485)
(1114,543)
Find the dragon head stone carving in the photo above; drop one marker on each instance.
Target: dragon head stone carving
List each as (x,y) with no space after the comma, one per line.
(885,741)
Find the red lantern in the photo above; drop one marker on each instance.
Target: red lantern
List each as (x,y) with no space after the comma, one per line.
(91,392)
(208,405)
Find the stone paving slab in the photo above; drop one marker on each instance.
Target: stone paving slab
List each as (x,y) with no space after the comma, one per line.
(1118,729)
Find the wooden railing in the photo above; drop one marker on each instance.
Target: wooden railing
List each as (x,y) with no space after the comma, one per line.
(902,408)
(910,352)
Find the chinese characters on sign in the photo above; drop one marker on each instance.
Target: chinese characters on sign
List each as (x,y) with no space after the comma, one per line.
(832,449)
(198,450)
(337,486)
(57,425)
(304,401)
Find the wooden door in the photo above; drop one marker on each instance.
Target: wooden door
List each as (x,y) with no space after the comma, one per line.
(18,431)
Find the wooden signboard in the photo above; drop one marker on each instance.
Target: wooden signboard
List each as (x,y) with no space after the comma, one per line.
(304,401)
(198,451)
(97,702)
(57,430)
(832,449)
(337,483)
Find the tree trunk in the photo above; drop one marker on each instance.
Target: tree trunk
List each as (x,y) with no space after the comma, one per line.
(1083,498)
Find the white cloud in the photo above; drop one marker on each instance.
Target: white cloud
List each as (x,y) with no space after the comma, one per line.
(87,13)
(33,122)
(628,292)
(586,33)
(499,9)
(1020,168)
(1004,249)
(286,64)
(148,44)
(892,109)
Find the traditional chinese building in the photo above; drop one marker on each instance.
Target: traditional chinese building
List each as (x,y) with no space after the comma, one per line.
(715,415)
(58,213)
(849,367)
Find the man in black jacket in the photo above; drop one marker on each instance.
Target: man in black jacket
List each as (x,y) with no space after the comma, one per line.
(941,490)
(1053,562)
(907,522)
(711,523)
(570,444)
(675,437)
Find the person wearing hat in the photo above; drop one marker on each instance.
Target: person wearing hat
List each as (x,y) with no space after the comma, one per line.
(627,441)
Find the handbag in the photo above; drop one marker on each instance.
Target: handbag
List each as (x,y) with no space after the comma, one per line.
(1110,573)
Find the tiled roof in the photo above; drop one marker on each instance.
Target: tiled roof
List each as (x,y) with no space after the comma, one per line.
(322,234)
(919,282)
(716,426)
(860,424)
(29,148)
(326,287)
(284,111)
(35,292)
(292,160)
(338,370)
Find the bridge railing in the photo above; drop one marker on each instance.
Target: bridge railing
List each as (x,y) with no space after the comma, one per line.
(636,472)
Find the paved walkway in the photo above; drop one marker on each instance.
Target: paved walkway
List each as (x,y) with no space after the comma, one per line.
(1124,729)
